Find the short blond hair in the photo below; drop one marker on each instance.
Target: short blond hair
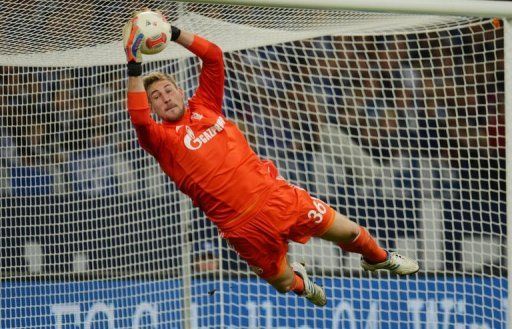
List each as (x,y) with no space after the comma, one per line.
(158,76)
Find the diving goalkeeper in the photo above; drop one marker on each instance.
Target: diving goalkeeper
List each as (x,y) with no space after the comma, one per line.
(209,159)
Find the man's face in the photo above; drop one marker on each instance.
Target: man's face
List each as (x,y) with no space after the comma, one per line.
(166,100)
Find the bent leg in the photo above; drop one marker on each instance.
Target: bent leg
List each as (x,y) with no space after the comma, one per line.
(284,281)
(295,279)
(351,237)
(265,251)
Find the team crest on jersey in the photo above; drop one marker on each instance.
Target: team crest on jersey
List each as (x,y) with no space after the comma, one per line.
(196,116)
(194,143)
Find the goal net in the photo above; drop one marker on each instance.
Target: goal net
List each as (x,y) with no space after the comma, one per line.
(395,120)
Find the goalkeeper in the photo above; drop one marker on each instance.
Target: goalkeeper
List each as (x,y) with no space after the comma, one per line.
(209,159)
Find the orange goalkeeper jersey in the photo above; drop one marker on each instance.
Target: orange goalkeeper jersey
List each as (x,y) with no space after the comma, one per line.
(205,154)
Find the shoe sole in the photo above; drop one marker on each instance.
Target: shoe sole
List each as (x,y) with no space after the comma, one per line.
(385,269)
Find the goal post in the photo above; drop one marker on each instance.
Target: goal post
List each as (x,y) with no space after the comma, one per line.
(475,8)
(396,113)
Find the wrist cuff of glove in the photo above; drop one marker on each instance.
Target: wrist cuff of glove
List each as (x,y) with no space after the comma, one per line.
(175,33)
(134,69)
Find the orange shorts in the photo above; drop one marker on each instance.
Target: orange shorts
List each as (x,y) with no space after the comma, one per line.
(290,213)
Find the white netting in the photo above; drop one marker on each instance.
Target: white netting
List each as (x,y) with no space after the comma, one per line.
(396,121)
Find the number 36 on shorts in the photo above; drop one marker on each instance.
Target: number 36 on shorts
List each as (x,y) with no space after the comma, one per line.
(317,215)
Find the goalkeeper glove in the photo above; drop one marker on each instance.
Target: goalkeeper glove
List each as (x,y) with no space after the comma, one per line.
(132,38)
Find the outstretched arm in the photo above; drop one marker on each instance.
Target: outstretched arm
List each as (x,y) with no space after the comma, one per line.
(211,80)
(132,38)
(138,106)
(183,38)
(135,84)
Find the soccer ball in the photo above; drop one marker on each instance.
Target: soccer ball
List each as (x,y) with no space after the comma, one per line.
(156,31)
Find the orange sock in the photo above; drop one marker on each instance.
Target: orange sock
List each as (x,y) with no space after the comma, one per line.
(297,285)
(365,245)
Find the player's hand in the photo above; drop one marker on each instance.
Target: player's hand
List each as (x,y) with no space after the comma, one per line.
(132,38)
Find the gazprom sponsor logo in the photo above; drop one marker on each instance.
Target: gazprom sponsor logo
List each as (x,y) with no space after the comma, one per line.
(194,143)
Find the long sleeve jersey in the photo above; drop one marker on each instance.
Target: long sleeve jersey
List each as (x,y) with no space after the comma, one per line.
(205,154)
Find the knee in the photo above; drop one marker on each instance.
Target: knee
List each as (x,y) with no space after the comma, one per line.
(352,234)
(282,284)
(282,289)
(342,230)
